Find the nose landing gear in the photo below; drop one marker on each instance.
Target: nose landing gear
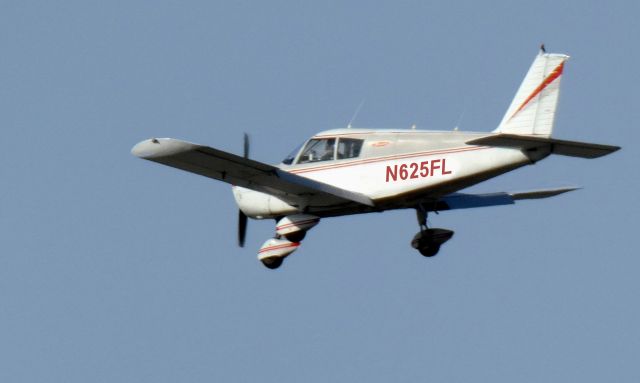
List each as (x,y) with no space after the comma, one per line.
(275,250)
(428,241)
(272,262)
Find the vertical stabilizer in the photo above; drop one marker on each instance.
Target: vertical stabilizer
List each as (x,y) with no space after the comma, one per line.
(533,109)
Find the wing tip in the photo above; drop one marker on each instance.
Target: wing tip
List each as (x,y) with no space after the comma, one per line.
(160,147)
(544,193)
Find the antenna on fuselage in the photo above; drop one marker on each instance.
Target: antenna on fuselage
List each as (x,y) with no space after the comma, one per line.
(353,118)
(456,127)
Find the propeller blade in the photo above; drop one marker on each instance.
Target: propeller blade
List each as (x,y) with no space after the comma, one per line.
(246,145)
(242,218)
(242,228)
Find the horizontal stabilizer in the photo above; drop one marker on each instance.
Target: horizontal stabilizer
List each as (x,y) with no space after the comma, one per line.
(562,147)
(227,167)
(466,201)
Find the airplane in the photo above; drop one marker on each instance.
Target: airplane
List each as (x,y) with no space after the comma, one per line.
(354,171)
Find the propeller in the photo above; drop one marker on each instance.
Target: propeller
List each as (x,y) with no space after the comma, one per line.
(242,227)
(246,145)
(242,218)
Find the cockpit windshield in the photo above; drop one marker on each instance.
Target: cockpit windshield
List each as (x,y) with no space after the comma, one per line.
(288,160)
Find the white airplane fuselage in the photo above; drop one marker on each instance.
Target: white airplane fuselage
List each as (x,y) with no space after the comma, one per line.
(393,164)
(354,171)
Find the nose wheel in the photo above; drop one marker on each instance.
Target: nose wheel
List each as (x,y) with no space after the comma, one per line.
(428,241)
(272,262)
(275,250)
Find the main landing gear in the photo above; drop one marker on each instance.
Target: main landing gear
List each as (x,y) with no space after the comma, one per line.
(428,241)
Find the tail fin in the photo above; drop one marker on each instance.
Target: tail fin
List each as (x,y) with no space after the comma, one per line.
(533,109)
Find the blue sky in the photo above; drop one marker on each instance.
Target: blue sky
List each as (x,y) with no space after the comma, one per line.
(117,269)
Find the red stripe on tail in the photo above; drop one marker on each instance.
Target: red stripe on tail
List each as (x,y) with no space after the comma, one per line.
(552,76)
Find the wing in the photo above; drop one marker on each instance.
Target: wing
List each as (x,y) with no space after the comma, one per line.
(466,201)
(213,163)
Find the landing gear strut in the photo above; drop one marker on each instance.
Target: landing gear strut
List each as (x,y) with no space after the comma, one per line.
(428,241)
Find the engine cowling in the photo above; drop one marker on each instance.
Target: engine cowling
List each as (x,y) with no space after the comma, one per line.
(294,227)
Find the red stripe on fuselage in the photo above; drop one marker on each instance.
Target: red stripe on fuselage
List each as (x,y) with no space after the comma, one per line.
(388,158)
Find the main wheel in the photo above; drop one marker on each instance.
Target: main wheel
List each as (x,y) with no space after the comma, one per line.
(272,262)
(429,251)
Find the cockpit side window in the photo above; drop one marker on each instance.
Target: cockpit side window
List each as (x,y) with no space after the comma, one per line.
(318,150)
(349,147)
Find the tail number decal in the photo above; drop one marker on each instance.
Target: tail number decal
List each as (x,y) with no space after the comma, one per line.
(415,170)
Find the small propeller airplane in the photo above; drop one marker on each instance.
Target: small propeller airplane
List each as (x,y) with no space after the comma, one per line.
(354,171)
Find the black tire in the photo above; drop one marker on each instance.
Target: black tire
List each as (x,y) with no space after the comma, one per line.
(296,237)
(272,262)
(429,251)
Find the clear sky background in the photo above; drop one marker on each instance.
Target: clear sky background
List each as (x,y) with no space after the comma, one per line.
(114,269)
